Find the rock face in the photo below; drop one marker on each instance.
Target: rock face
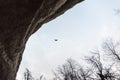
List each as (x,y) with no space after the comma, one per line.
(19,19)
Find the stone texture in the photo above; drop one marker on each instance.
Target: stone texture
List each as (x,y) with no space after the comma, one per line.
(19,19)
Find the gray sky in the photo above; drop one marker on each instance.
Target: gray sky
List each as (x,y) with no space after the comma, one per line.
(78,31)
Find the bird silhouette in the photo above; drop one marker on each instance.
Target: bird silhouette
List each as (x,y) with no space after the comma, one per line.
(55,39)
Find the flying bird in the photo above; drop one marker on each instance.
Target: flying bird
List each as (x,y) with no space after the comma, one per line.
(55,39)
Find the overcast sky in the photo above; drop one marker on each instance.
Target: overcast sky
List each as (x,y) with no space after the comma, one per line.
(78,31)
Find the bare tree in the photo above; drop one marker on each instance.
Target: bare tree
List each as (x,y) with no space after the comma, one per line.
(68,70)
(85,74)
(98,68)
(112,49)
(104,73)
(28,75)
(71,70)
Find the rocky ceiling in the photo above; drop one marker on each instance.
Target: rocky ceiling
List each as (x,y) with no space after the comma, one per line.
(19,19)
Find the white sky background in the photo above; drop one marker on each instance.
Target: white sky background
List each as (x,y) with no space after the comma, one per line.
(78,31)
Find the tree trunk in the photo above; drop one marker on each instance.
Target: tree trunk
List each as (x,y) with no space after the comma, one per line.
(19,19)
